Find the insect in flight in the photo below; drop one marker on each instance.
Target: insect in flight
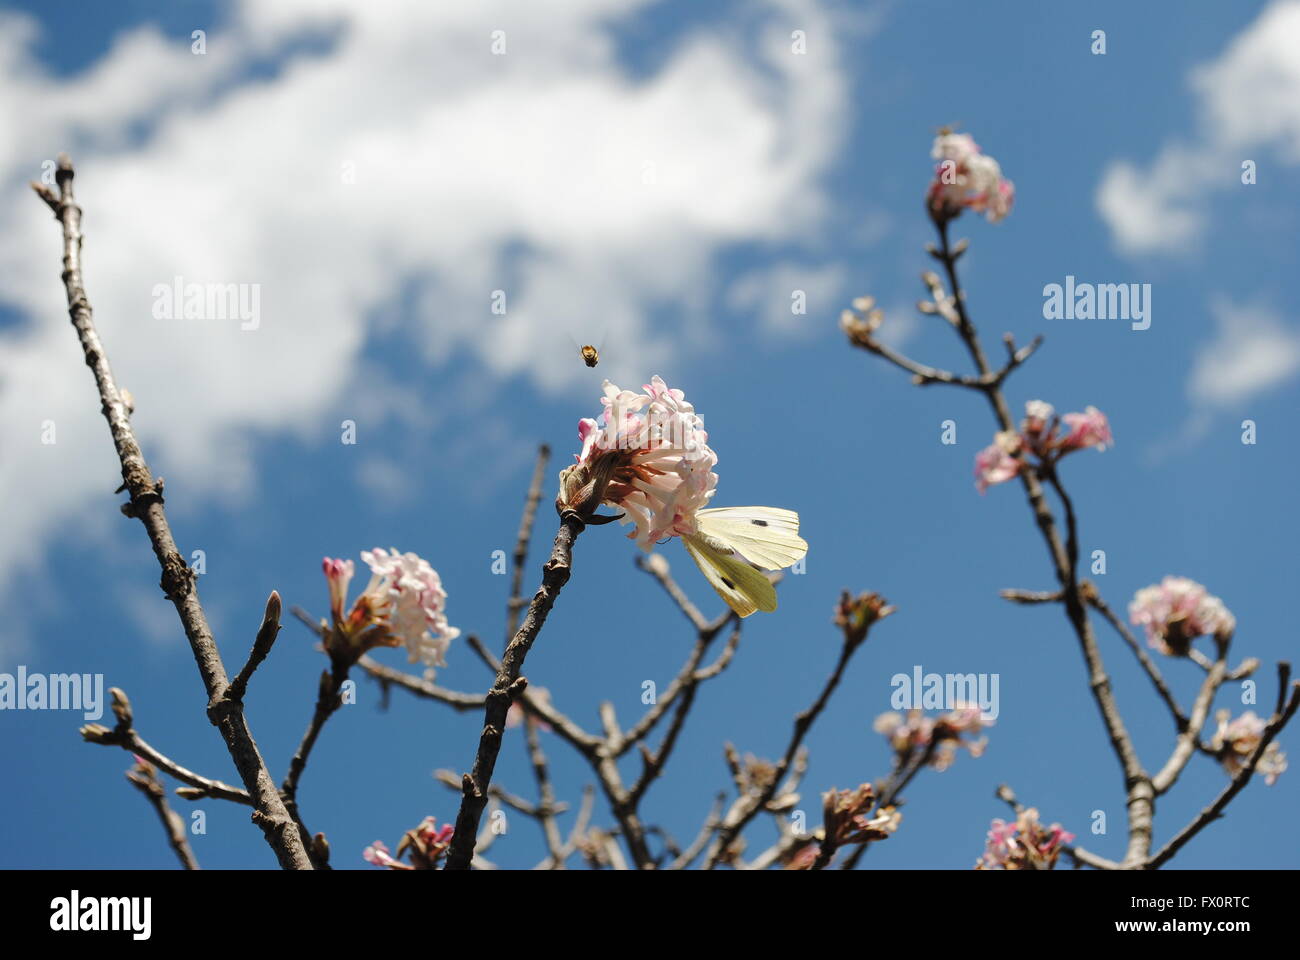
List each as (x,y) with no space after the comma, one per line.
(732,545)
(590,354)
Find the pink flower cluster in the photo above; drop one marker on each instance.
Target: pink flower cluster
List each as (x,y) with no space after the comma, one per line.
(967,178)
(948,733)
(647,455)
(1023,845)
(426,844)
(403,604)
(1041,434)
(1236,741)
(1177,611)
(998,462)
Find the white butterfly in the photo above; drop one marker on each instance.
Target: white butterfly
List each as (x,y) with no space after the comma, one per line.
(732,544)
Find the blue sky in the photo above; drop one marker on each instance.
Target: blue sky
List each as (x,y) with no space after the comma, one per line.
(657,178)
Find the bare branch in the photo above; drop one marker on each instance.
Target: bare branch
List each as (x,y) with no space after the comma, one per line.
(711,824)
(497,792)
(1028,597)
(747,806)
(1189,737)
(419,686)
(516,603)
(1079,855)
(125,736)
(657,567)
(146,504)
(507,686)
(143,777)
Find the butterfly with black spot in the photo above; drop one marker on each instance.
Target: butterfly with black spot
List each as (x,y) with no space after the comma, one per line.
(732,545)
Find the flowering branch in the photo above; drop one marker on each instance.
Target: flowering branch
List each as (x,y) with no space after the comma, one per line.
(146,505)
(1080,856)
(1174,613)
(1282,714)
(906,766)
(1140,792)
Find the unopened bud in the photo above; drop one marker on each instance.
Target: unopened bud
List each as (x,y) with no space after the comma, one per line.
(96,733)
(121,707)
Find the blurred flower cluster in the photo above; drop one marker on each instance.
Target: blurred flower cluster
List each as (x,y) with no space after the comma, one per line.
(942,736)
(1236,741)
(1176,611)
(1043,434)
(426,845)
(855,615)
(1023,845)
(966,178)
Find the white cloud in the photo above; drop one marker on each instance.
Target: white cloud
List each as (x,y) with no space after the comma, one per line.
(1248,103)
(771,295)
(1147,212)
(585,191)
(1252,352)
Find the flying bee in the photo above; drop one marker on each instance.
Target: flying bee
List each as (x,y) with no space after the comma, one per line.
(589,353)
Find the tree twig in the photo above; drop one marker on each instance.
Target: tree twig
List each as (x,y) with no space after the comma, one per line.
(143,777)
(146,504)
(262,644)
(1148,665)
(1282,714)
(420,686)
(747,806)
(128,739)
(507,686)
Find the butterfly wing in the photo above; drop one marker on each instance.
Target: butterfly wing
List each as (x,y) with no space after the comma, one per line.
(765,536)
(743,587)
